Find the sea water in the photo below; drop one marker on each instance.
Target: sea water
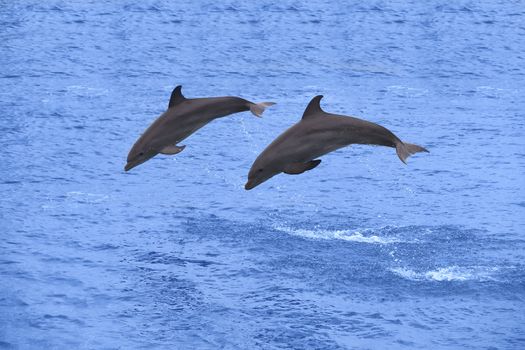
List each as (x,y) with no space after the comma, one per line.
(362,252)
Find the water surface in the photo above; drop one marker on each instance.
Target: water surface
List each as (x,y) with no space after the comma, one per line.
(361,253)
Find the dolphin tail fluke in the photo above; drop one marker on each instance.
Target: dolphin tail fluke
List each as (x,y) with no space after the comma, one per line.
(258,108)
(405,150)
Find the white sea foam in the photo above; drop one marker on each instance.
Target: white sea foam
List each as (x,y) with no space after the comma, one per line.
(81,90)
(74,198)
(449,274)
(83,197)
(361,236)
(492,91)
(405,91)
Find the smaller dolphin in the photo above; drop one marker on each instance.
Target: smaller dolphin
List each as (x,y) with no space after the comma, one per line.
(183,117)
(316,134)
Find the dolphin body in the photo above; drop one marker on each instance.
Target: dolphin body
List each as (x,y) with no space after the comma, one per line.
(183,117)
(316,134)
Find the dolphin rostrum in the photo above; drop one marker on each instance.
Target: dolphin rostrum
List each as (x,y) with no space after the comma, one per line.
(183,117)
(316,134)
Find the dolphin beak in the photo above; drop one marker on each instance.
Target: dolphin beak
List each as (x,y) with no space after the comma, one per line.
(130,165)
(249,185)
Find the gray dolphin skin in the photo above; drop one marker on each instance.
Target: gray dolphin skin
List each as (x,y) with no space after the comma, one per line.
(316,134)
(183,117)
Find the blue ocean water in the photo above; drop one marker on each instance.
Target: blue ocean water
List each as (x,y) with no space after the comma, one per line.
(361,253)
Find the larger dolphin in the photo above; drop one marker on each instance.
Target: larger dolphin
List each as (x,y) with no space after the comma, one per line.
(319,133)
(183,117)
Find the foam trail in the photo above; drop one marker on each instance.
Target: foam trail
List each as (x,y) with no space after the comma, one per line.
(345,235)
(448,274)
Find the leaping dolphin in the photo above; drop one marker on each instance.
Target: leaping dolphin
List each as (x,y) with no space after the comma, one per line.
(316,134)
(183,117)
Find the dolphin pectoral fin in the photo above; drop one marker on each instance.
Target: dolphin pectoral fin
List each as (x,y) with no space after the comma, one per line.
(172,149)
(299,168)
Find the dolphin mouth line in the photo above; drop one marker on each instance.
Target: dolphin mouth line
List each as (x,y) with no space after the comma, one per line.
(130,165)
(252,183)
(249,185)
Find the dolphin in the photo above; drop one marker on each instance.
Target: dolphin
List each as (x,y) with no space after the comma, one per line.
(318,133)
(183,117)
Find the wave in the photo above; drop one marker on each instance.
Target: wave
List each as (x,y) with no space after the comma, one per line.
(86,91)
(83,197)
(495,92)
(449,274)
(74,198)
(406,91)
(362,236)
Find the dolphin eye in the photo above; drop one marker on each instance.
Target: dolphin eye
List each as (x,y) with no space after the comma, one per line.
(141,153)
(259,170)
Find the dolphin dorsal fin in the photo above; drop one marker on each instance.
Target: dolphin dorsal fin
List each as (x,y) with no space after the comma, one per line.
(313,108)
(176,97)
